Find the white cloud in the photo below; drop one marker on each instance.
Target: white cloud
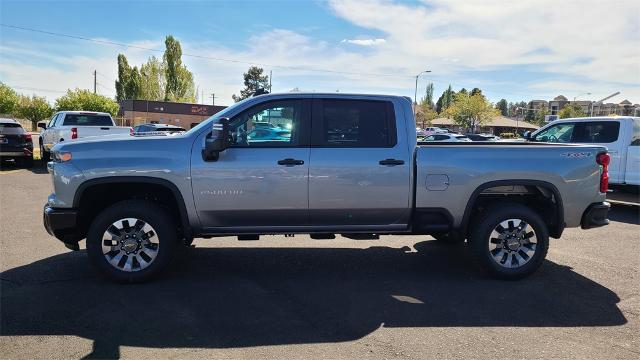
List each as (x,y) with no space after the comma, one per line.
(364,42)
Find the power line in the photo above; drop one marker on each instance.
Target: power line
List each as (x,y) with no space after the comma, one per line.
(299,68)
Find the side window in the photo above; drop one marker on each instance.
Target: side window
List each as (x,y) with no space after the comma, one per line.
(430,138)
(635,138)
(356,123)
(559,133)
(272,124)
(53,120)
(600,132)
(59,120)
(442,137)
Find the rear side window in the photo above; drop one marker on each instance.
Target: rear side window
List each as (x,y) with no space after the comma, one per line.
(354,123)
(11,129)
(635,137)
(600,132)
(87,120)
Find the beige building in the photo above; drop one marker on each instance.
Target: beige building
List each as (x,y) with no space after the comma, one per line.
(496,126)
(136,112)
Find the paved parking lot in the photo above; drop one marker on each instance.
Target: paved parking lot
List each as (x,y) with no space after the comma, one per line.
(296,298)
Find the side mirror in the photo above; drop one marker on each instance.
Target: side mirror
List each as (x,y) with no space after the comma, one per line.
(42,125)
(218,142)
(527,135)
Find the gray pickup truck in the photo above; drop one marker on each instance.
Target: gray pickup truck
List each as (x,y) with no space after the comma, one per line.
(318,164)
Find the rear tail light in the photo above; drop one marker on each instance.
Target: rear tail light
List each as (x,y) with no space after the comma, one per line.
(27,138)
(131,131)
(74,133)
(603,159)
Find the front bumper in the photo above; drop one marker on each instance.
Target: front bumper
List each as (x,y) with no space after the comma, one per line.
(596,215)
(63,224)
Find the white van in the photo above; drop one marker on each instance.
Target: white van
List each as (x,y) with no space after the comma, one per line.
(621,136)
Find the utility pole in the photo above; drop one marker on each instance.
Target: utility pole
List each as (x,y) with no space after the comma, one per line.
(270,77)
(95,81)
(213,99)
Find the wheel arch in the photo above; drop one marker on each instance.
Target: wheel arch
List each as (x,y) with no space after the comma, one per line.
(558,224)
(138,181)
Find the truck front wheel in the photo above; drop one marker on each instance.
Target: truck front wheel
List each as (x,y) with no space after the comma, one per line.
(509,240)
(132,241)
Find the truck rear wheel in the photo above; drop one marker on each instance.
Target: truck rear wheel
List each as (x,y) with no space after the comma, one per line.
(509,240)
(132,241)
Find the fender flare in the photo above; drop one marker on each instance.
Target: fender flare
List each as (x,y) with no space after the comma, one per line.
(182,209)
(554,232)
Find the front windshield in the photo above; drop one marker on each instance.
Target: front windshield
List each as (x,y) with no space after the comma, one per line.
(223,113)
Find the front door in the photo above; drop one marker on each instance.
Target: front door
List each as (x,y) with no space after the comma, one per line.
(262,179)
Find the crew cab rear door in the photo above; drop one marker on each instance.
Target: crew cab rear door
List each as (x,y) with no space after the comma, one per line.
(360,172)
(611,134)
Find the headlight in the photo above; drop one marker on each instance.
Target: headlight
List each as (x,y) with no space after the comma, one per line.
(61,156)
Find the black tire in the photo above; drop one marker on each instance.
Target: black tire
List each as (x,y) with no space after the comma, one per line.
(45,156)
(480,238)
(449,238)
(149,212)
(27,162)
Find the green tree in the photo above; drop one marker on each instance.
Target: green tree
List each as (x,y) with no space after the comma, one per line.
(424,114)
(152,80)
(445,100)
(179,81)
(253,80)
(476,91)
(133,87)
(428,96)
(540,115)
(124,76)
(503,107)
(463,91)
(9,99)
(471,111)
(571,110)
(86,100)
(34,109)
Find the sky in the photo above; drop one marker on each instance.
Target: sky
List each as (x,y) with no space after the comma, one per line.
(517,50)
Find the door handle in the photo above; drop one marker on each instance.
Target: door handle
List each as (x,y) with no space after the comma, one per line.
(290,162)
(391,162)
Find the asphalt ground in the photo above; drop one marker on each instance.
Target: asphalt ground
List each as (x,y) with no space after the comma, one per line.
(296,298)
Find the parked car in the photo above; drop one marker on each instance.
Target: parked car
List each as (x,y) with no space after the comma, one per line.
(447,137)
(137,199)
(434,130)
(621,136)
(15,143)
(73,125)
(268,135)
(157,128)
(482,137)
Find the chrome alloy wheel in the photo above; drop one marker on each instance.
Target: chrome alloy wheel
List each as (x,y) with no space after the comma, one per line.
(512,243)
(130,244)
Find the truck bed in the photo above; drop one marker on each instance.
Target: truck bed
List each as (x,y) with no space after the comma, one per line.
(448,175)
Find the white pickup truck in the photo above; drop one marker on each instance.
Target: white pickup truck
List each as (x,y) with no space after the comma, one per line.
(72,125)
(620,134)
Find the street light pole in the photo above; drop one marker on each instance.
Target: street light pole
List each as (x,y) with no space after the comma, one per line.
(415,94)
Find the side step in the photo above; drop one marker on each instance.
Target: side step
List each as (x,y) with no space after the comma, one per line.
(323,236)
(357,236)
